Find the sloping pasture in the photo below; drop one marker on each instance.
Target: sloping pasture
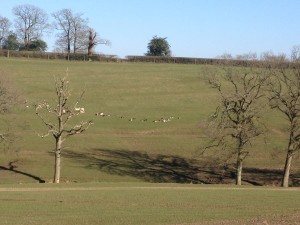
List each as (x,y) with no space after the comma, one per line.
(132,143)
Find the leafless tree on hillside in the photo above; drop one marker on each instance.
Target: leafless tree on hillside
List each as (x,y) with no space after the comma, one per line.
(95,40)
(73,30)
(57,119)
(64,24)
(295,56)
(236,121)
(79,32)
(30,22)
(4,28)
(284,96)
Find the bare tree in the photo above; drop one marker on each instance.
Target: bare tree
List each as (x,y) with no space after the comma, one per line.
(64,24)
(236,121)
(30,22)
(295,56)
(4,29)
(75,35)
(73,30)
(284,96)
(79,32)
(269,56)
(95,40)
(62,113)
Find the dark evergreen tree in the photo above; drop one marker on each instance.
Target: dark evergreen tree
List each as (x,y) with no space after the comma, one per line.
(158,46)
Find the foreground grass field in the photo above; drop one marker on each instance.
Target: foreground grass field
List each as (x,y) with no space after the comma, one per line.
(117,150)
(149,204)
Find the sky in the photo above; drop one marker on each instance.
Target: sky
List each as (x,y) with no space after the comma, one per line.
(194,28)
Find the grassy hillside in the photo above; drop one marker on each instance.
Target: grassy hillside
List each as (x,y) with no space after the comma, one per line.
(115,149)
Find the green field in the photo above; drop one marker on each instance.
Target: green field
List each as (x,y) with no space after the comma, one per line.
(143,203)
(115,149)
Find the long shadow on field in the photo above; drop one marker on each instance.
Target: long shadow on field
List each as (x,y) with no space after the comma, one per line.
(262,176)
(270,176)
(12,169)
(170,168)
(151,168)
(295,178)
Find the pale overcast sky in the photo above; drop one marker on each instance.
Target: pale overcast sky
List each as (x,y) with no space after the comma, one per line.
(194,28)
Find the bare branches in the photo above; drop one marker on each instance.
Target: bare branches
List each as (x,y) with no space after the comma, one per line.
(63,112)
(284,91)
(4,29)
(73,30)
(78,129)
(94,39)
(284,96)
(60,115)
(30,23)
(236,120)
(75,34)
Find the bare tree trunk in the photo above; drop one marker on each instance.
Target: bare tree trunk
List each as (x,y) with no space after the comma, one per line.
(69,46)
(289,156)
(89,50)
(69,49)
(74,33)
(287,167)
(239,170)
(57,160)
(92,41)
(74,43)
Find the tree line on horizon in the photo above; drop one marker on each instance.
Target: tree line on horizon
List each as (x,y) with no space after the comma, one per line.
(74,35)
(31,23)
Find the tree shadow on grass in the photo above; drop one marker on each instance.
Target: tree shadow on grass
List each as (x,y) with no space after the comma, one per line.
(150,168)
(170,168)
(295,179)
(270,176)
(262,176)
(12,169)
